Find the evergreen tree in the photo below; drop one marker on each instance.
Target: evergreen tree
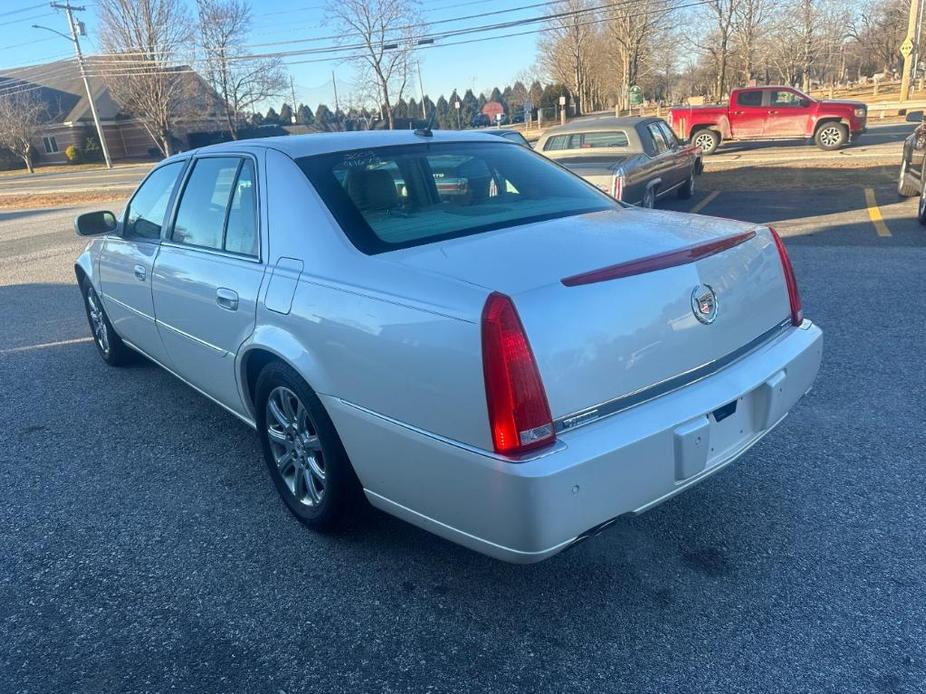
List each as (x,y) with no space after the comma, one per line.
(305,115)
(286,114)
(324,118)
(272,117)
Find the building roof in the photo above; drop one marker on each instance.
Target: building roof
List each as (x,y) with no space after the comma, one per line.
(60,86)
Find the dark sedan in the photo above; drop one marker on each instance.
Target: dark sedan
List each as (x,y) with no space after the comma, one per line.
(636,160)
(912,180)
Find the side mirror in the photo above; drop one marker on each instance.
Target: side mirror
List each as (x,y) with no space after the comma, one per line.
(915,117)
(94,223)
(805,103)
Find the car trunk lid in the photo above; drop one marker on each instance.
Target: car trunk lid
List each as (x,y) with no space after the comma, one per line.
(599,336)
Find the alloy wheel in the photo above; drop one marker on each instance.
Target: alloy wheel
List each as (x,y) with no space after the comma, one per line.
(296,448)
(704,141)
(831,136)
(97,321)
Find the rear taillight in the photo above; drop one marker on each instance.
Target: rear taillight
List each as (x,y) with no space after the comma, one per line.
(519,414)
(617,185)
(797,312)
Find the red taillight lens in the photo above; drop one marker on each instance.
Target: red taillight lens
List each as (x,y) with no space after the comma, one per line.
(519,414)
(797,312)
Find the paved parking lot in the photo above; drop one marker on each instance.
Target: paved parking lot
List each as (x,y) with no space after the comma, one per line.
(144,548)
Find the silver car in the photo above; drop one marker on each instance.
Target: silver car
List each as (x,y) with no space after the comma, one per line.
(453,328)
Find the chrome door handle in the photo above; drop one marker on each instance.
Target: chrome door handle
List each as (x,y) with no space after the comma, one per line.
(226,298)
(140,273)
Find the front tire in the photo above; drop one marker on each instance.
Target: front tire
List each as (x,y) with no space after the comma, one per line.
(707,140)
(109,345)
(302,450)
(688,188)
(906,188)
(831,136)
(649,198)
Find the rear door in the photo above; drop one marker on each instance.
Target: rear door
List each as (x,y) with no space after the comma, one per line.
(209,272)
(127,259)
(749,114)
(788,115)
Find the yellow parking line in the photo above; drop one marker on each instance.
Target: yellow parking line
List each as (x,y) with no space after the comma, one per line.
(705,202)
(874,213)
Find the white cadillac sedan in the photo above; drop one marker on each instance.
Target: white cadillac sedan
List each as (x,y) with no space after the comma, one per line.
(453,327)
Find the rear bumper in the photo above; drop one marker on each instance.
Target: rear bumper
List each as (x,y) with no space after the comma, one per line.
(626,463)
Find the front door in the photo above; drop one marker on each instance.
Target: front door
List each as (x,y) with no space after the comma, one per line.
(127,260)
(208,275)
(789,114)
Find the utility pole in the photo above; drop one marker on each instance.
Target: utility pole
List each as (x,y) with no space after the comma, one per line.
(335,83)
(292,90)
(76,30)
(424,106)
(907,49)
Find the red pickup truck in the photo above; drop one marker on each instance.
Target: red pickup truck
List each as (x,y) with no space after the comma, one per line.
(760,113)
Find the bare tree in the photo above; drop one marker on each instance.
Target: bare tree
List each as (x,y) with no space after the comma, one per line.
(384,33)
(565,48)
(143,42)
(718,42)
(241,81)
(632,27)
(749,21)
(21,115)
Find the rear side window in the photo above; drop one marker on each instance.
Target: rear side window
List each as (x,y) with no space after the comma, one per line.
(669,134)
(396,197)
(145,215)
(592,140)
(752,97)
(241,229)
(201,214)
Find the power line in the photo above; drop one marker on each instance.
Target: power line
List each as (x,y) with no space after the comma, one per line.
(22,9)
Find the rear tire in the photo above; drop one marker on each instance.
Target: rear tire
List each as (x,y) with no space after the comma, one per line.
(831,136)
(109,345)
(302,450)
(707,140)
(688,188)
(905,187)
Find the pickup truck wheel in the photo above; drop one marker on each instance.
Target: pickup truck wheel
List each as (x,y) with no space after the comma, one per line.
(905,188)
(830,136)
(707,140)
(302,450)
(688,188)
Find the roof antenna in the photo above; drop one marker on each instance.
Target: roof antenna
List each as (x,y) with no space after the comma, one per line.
(426,130)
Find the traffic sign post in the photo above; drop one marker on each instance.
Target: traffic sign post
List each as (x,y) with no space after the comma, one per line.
(906,49)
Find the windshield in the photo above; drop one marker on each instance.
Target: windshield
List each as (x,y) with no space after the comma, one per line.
(396,197)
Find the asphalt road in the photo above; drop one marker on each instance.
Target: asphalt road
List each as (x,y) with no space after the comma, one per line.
(123,175)
(144,549)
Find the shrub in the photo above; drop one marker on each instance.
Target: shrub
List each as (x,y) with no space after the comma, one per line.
(72,154)
(92,150)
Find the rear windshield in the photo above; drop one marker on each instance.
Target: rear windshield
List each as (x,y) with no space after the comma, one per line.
(396,197)
(592,140)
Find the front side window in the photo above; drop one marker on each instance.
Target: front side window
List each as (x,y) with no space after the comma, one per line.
(201,214)
(785,99)
(148,207)
(753,97)
(396,197)
(669,134)
(659,140)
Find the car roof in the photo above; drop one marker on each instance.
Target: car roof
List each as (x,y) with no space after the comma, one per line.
(601,123)
(297,146)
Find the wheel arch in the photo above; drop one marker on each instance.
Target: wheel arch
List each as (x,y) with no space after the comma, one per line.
(826,120)
(269,344)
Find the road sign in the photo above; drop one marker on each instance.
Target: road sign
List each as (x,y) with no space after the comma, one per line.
(562,101)
(906,48)
(636,95)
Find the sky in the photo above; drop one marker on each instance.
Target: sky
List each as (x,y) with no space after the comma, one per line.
(478,66)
